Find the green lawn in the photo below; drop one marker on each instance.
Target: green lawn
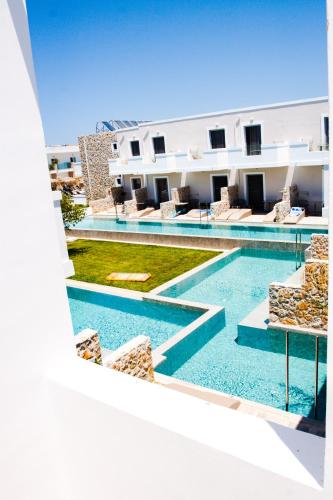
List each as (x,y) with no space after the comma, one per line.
(94,260)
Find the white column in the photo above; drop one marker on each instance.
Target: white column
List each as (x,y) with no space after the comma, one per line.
(36,329)
(325,189)
(183,178)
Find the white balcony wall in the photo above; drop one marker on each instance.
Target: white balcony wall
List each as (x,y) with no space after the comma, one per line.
(281,123)
(272,155)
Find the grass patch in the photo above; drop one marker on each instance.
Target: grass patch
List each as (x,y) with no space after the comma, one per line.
(94,260)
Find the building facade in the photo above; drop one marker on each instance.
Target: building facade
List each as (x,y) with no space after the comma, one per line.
(261,149)
(64,161)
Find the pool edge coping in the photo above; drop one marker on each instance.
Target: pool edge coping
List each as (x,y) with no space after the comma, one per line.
(174,281)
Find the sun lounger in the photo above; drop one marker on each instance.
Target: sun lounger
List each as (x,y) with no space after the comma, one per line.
(195,213)
(141,213)
(240,213)
(270,217)
(156,214)
(226,214)
(295,215)
(113,211)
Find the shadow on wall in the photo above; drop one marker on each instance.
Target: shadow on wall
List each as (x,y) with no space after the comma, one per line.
(190,345)
(300,346)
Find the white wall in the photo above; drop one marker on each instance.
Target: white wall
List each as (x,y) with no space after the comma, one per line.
(63,153)
(285,123)
(71,430)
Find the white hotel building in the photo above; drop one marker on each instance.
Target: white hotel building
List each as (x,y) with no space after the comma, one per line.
(262,149)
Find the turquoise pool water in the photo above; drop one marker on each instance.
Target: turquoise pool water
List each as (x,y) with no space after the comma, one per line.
(246,363)
(119,319)
(195,229)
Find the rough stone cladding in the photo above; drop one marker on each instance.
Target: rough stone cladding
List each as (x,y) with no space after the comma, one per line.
(319,246)
(181,194)
(138,201)
(95,151)
(229,196)
(168,209)
(115,196)
(88,346)
(306,305)
(289,199)
(133,358)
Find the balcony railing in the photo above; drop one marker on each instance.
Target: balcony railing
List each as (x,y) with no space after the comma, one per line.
(272,155)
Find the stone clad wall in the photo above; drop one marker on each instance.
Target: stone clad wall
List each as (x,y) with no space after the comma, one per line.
(133,358)
(88,346)
(229,197)
(304,306)
(115,196)
(95,151)
(289,199)
(319,246)
(168,209)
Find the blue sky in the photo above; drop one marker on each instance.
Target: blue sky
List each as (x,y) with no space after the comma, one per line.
(151,59)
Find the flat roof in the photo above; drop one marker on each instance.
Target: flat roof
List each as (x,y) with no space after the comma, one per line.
(231,111)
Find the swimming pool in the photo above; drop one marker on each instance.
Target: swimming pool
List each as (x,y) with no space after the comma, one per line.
(196,229)
(250,365)
(119,319)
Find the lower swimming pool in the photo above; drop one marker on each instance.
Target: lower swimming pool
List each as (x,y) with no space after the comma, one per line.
(251,365)
(119,319)
(194,229)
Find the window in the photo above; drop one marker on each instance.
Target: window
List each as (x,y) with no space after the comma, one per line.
(326,128)
(253,140)
(114,146)
(72,159)
(217,138)
(159,145)
(136,183)
(135,148)
(119,181)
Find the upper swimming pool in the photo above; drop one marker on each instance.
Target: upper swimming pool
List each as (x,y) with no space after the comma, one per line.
(119,319)
(237,231)
(249,364)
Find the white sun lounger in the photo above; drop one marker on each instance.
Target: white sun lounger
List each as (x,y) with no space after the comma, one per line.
(294,216)
(226,214)
(240,214)
(141,213)
(195,213)
(270,217)
(156,214)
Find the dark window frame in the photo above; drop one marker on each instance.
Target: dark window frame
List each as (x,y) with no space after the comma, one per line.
(138,151)
(160,150)
(215,144)
(136,178)
(253,148)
